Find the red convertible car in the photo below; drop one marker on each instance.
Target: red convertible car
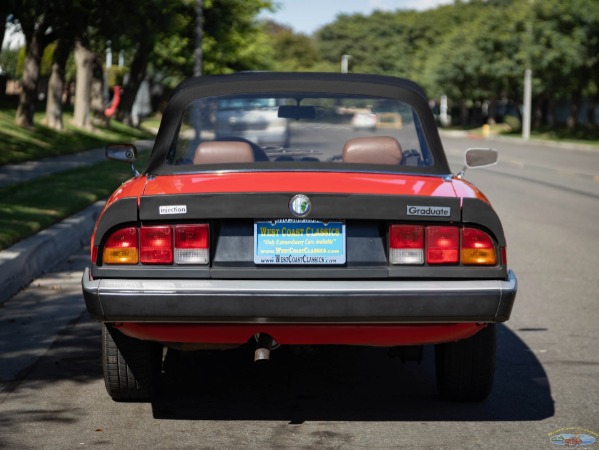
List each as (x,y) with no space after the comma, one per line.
(336,235)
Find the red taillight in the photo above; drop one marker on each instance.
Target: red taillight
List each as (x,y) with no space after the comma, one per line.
(477,248)
(406,244)
(192,244)
(187,244)
(442,245)
(418,244)
(156,245)
(121,247)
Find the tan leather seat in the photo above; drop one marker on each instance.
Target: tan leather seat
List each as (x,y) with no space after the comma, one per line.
(372,150)
(223,152)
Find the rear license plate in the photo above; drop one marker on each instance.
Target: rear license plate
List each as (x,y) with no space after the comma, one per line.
(302,242)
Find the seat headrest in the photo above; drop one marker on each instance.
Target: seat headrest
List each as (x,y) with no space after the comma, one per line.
(223,152)
(372,150)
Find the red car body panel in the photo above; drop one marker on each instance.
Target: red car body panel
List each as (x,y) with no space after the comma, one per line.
(383,335)
(327,182)
(323,182)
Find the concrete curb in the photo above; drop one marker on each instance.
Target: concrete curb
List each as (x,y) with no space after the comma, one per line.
(28,259)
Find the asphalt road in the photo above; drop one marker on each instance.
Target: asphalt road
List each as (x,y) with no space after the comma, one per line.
(547,382)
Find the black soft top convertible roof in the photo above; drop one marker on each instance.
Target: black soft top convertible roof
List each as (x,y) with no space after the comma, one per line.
(281,82)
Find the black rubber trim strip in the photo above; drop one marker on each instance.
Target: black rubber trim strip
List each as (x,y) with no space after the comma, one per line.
(251,272)
(276,206)
(148,271)
(301,166)
(91,295)
(478,212)
(122,211)
(448,272)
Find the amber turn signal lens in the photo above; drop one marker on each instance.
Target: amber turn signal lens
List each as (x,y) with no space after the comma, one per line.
(120,256)
(477,248)
(121,247)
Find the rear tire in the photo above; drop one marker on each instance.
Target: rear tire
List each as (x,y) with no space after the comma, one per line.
(466,368)
(131,367)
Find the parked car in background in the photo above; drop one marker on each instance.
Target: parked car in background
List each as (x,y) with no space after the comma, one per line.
(364,120)
(335,237)
(255,119)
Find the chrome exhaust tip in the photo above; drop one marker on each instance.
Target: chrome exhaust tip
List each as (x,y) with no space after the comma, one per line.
(264,344)
(261,354)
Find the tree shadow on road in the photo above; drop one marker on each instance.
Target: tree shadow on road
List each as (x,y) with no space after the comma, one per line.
(73,359)
(344,384)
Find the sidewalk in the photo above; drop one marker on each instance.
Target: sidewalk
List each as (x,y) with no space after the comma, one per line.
(28,259)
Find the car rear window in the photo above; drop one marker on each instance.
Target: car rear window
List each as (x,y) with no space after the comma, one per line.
(298,127)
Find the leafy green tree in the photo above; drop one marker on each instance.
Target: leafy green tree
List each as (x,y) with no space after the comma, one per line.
(479,60)
(233,40)
(292,52)
(233,37)
(40,23)
(564,52)
(153,19)
(477,51)
(353,35)
(43,22)
(8,62)
(6,10)
(56,84)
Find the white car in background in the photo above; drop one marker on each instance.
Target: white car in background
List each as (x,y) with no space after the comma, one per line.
(254,119)
(364,120)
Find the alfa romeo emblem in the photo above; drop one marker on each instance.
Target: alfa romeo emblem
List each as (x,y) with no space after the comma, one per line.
(300,205)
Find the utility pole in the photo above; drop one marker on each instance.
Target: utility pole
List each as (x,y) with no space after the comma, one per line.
(197,54)
(526,114)
(345,63)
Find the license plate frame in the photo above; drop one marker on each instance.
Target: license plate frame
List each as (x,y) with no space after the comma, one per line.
(303,242)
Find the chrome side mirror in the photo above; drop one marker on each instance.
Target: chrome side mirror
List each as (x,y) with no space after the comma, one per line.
(121,152)
(481,157)
(478,157)
(124,153)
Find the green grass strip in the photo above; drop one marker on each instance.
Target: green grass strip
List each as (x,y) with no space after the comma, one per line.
(26,208)
(23,144)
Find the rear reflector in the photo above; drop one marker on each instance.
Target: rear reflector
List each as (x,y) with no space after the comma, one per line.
(156,245)
(192,244)
(121,247)
(442,245)
(477,248)
(406,244)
